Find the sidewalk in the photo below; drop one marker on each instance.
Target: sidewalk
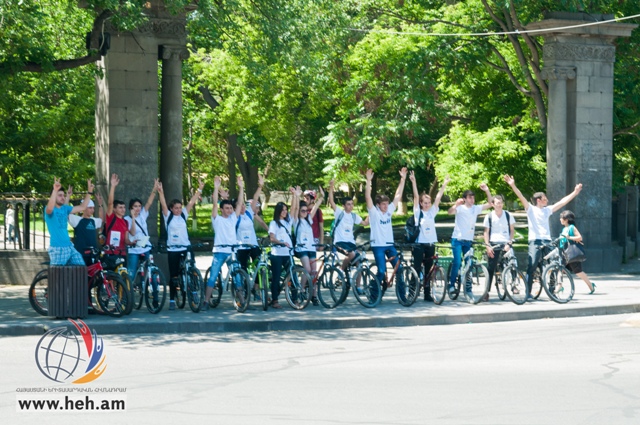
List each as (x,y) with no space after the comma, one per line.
(617,293)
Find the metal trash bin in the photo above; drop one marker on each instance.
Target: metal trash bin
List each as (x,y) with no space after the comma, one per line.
(68,292)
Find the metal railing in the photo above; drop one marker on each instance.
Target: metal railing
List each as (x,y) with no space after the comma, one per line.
(29,232)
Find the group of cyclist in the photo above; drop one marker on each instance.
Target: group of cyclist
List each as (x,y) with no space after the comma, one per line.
(296,230)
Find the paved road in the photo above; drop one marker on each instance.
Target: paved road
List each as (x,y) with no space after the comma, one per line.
(559,371)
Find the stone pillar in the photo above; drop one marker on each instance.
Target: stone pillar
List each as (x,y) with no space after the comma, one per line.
(127,116)
(171,120)
(557,133)
(578,62)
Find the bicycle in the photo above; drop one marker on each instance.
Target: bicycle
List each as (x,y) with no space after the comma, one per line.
(556,278)
(297,283)
(189,283)
(330,279)
(436,279)
(149,284)
(107,286)
(408,283)
(259,273)
(510,282)
(475,276)
(359,277)
(115,263)
(241,287)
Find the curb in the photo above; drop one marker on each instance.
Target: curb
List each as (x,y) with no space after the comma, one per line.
(315,324)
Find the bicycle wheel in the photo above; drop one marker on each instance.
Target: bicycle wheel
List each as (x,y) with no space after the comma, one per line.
(113,296)
(138,292)
(498,277)
(297,288)
(263,284)
(367,288)
(407,286)
(558,283)
(194,289)
(476,283)
(156,291)
(536,286)
(331,284)
(39,293)
(456,286)
(216,295)
(129,287)
(514,285)
(240,289)
(438,285)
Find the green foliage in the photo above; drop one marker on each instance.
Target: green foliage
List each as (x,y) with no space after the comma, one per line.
(464,153)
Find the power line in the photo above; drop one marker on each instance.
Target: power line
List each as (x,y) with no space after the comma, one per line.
(488,34)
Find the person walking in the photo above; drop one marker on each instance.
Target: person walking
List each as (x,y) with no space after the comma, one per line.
(570,236)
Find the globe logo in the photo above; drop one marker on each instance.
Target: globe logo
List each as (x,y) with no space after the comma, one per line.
(63,355)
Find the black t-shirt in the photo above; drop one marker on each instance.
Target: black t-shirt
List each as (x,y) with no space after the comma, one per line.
(85,235)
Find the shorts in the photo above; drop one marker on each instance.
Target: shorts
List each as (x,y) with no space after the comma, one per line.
(347,246)
(310,254)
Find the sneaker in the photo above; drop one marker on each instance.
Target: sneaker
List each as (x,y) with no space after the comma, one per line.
(485,298)
(315,301)
(172,305)
(428,297)
(452,290)
(204,306)
(359,290)
(257,297)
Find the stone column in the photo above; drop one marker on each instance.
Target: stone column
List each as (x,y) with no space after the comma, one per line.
(557,131)
(578,63)
(171,120)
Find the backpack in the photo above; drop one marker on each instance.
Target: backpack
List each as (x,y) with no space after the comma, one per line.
(166,227)
(337,221)
(490,221)
(412,229)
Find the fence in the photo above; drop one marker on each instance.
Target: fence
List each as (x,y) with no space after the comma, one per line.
(28,231)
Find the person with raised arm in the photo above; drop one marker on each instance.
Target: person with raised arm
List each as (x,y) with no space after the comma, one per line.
(466,213)
(424,214)
(381,228)
(223,220)
(280,233)
(305,241)
(499,229)
(175,220)
(117,229)
(344,221)
(538,213)
(61,250)
(85,229)
(140,237)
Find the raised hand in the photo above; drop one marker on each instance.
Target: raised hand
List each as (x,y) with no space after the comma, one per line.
(115,180)
(70,192)
(403,172)
(332,184)
(159,187)
(240,181)
(446,181)
(156,182)
(298,191)
(200,185)
(224,193)
(90,186)
(99,198)
(484,187)
(412,176)
(321,192)
(369,174)
(509,180)
(56,184)
(217,181)
(578,188)
(260,180)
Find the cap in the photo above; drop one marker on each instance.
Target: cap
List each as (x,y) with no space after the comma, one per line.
(90,204)
(310,193)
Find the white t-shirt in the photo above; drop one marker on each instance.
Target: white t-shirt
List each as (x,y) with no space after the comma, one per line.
(538,220)
(225,232)
(343,232)
(142,231)
(500,229)
(283,234)
(381,227)
(465,225)
(304,235)
(10,217)
(75,219)
(427,224)
(246,231)
(177,233)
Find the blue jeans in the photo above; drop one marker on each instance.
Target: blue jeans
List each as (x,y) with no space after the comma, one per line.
(459,248)
(535,255)
(380,254)
(133,261)
(219,259)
